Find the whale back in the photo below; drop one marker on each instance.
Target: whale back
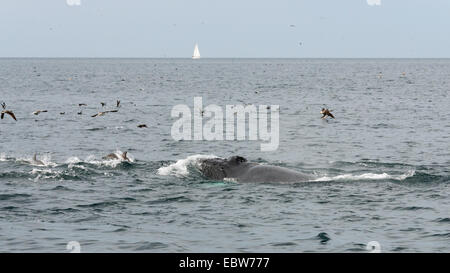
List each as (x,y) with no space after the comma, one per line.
(219,168)
(213,168)
(269,173)
(238,168)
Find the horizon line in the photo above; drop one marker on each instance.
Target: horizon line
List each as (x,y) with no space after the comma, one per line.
(190,58)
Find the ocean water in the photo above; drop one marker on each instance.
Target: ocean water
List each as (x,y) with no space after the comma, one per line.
(382,165)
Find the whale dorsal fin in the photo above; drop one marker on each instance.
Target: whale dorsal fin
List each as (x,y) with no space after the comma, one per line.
(124,156)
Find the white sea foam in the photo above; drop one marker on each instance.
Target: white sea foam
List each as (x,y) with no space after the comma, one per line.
(367,176)
(73,160)
(180,168)
(45,174)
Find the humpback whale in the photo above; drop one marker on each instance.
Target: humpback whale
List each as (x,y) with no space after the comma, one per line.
(239,169)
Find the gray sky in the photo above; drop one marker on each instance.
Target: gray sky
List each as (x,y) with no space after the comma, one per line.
(226,28)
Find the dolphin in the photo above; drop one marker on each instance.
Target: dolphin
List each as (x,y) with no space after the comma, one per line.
(114,156)
(239,169)
(36,161)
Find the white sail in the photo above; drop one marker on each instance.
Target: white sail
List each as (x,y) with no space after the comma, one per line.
(196,54)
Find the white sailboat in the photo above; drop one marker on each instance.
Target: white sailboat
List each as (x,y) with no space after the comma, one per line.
(196,54)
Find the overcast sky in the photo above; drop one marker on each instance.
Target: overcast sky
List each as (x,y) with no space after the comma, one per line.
(226,28)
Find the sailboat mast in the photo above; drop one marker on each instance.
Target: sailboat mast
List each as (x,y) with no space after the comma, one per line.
(196,54)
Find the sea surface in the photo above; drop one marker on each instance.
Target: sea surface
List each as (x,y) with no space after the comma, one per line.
(382,165)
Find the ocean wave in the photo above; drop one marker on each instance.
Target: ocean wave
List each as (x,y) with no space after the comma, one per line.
(44,160)
(57,174)
(73,168)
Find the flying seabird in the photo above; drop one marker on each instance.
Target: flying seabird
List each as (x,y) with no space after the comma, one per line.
(104,112)
(142,126)
(39,111)
(9,113)
(326,112)
(2,115)
(118,103)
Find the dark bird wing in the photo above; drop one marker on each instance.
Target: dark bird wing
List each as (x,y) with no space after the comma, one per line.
(94,115)
(112,111)
(331,115)
(11,114)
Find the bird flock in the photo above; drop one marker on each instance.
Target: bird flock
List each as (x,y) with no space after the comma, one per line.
(80,105)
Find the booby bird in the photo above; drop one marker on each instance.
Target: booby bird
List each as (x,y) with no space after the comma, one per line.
(2,115)
(118,103)
(142,126)
(39,111)
(326,112)
(103,113)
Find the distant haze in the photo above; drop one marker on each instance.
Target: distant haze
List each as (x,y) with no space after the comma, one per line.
(232,28)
